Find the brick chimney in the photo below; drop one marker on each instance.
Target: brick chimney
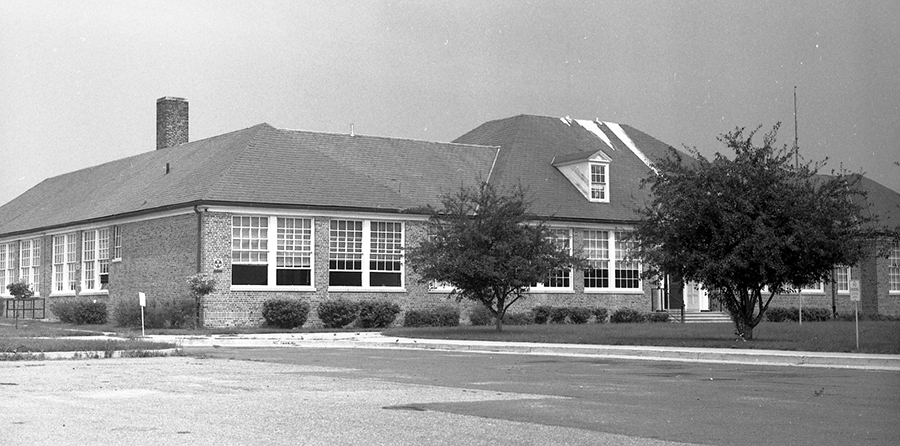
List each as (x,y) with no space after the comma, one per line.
(171,122)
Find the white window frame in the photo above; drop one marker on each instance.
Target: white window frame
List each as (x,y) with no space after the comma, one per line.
(842,278)
(65,264)
(368,255)
(267,253)
(116,244)
(615,260)
(7,267)
(600,186)
(30,265)
(894,269)
(94,261)
(596,254)
(620,259)
(566,238)
(816,288)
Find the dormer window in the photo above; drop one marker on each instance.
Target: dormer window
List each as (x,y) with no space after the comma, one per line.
(588,172)
(599,182)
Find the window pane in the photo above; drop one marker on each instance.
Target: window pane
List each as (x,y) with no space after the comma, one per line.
(386,246)
(248,240)
(384,279)
(249,274)
(345,251)
(292,277)
(344,278)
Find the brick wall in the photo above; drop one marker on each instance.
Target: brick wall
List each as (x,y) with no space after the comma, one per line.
(157,257)
(225,308)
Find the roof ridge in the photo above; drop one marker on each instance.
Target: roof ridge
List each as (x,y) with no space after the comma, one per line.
(394,138)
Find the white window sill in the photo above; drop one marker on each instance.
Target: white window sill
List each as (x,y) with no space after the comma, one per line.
(272,288)
(359,289)
(441,291)
(550,291)
(843,292)
(63,294)
(894,292)
(613,291)
(95,293)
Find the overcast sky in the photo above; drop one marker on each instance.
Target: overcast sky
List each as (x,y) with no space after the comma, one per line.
(79,79)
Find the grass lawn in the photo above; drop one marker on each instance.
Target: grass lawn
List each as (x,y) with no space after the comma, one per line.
(36,337)
(835,336)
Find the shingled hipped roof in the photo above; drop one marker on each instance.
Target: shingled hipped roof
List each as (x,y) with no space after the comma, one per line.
(259,166)
(529,145)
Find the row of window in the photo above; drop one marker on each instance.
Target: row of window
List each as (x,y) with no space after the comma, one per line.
(96,253)
(279,251)
(361,253)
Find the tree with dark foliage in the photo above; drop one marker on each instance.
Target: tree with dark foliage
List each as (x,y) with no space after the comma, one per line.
(488,248)
(752,226)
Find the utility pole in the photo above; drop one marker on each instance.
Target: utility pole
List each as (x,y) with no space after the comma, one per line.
(797,166)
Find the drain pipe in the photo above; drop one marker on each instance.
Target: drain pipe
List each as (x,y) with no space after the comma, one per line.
(199,212)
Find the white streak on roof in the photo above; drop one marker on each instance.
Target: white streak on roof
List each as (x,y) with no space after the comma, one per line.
(567,121)
(620,133)
(592,127)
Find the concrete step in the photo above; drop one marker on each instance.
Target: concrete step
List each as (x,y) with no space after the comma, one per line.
(704,317)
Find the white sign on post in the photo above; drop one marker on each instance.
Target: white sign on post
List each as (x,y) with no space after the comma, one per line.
(142,298)
(854,297)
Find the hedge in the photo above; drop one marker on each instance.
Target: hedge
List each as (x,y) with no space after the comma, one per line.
(285,313)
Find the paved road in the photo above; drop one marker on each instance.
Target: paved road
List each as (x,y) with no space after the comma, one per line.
(694,403)
(364,396)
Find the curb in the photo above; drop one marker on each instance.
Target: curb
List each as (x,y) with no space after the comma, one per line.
(376,340)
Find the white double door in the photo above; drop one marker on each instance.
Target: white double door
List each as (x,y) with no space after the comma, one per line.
(696,298)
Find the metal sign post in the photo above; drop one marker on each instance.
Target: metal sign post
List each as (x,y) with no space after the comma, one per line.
(142,298)
(854,297)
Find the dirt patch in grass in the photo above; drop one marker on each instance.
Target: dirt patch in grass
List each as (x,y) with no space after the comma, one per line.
(38,336)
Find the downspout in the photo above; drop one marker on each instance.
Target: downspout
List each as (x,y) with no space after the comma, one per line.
(200,315)
(199,238)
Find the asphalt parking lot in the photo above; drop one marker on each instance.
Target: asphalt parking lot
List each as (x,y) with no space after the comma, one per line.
(299,395)
(184,400)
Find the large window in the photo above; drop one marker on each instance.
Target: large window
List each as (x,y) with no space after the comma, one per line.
(249,250)
(95,260)
(560,279)
(385,268)
(117,243)
(65,263)
(30,263)
(345,253)
(628,270)
(599,182)
(364,253)
(257,241)
(894,268)
(7,266)
(294,252)
(610,266)
(842,279)
(596,252)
